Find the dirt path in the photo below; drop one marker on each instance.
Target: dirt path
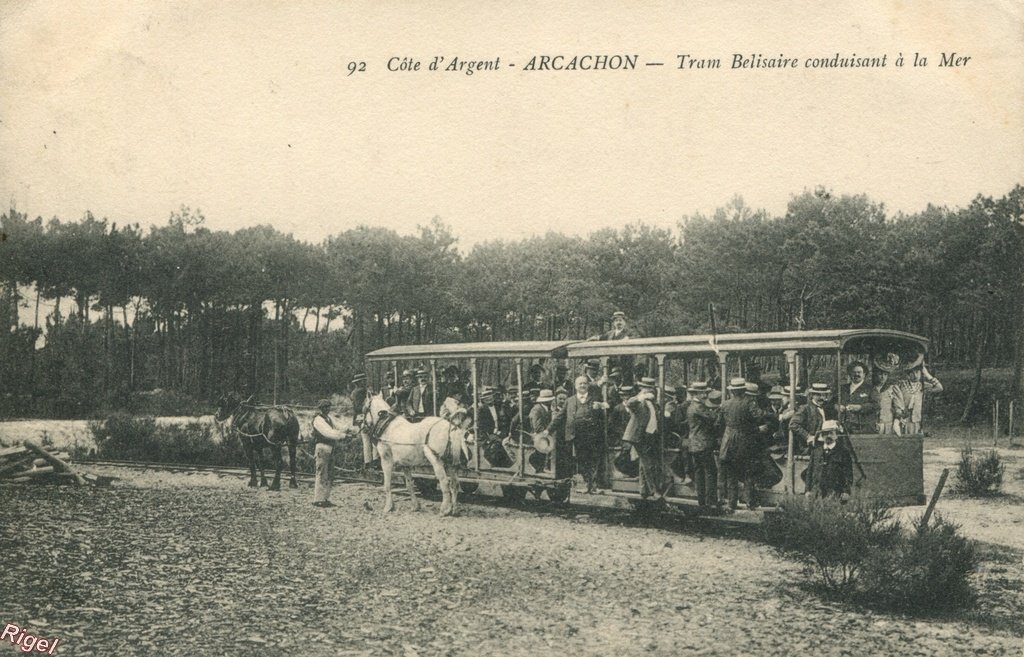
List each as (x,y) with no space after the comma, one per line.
(174,564)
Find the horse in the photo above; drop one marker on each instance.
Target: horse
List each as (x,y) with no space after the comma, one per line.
(431,441)
(259,428)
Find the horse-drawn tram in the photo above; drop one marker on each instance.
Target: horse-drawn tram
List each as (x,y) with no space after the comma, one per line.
(779,368)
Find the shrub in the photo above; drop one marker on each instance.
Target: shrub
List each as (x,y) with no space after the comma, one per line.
(127,437)
(927,571)
(979,476)
(830,535)
(862,554)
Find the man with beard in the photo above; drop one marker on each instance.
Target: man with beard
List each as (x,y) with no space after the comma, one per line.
(581,423)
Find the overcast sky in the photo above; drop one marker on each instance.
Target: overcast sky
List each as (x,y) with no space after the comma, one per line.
(130,109)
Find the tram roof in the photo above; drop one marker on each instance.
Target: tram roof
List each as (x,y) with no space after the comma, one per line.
(452,350)
(826,341)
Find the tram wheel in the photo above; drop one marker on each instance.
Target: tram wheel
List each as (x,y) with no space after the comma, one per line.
(559,495)
(514,494)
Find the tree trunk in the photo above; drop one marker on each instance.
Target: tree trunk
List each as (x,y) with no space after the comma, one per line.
(979,353)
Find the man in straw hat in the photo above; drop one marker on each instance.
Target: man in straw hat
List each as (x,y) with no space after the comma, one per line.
(706,427)
(808,420)
(325,437)
(536,423)
(744,427)
(644,433)
(421,397)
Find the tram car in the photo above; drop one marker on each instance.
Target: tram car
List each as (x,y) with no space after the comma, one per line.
(506,454)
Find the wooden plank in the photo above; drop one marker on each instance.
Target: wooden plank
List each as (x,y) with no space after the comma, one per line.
(56,462)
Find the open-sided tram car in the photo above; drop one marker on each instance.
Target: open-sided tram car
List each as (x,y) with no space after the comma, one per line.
(892,464)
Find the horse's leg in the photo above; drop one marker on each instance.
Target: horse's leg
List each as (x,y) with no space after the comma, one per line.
(442,478)
(292,446)
(251,456)
(275,453)
(259,464)
(387,464)
(453,484)
(412,489)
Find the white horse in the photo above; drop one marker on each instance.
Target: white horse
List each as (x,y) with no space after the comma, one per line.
(432,441)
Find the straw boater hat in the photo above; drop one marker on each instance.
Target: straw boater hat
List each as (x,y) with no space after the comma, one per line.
(545,395)
(819,389)
(714,399)
(359,377)
(698,386)
(618,313)
(648,383)
(670,390)
(752,388)
(828,425)
(543,443)
(616,371)
(799,391)
(737,383)
(776,393)
(626,390)
(421,372)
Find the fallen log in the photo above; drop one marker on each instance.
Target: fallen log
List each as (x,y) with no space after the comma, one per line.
(12,451)
(61,455)
(17,466)
(56,462)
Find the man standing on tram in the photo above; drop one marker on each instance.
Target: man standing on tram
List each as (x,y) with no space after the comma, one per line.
(581,422)
(859,406)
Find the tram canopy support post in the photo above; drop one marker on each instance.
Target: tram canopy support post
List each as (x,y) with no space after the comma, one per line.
(476,411)
(790,465)
(522,426)
(662,470)
(433,383)
(723,357)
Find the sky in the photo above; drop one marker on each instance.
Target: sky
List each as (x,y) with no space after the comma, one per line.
(247,111)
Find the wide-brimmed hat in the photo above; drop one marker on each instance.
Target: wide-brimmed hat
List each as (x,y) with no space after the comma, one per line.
(828,425)
(819,389)
(359,377)
(545,395)
(714,399)
(799,391)
(670,390)
(324,403)
(592,365)
(737,383)
(543,443)
(776,393)
(406,373)
(647,382)
(752,388)
(697,386)
(626,390)
(421,372)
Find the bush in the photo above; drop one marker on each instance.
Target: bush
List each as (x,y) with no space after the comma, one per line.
(928,570)
(979,476)
(127,437)
(862,554)
(830,535)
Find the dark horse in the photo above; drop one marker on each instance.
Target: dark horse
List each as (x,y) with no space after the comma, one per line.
(260,427)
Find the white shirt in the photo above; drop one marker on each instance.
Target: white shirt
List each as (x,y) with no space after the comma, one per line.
(326,430)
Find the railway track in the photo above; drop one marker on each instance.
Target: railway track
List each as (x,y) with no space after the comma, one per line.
(582,505)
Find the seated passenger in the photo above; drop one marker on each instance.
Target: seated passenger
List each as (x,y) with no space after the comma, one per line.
(860,411)
(884,393)
(908,398)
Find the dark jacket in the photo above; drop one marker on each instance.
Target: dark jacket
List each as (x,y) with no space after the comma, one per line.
(706,427)
(578,420)
(487,426)
(866,419)
(807,421)
(742,435)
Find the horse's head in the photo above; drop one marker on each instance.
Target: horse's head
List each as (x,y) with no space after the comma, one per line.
(226,404)
(374,406)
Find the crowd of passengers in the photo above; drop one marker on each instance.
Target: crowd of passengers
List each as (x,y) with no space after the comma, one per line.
(720,444)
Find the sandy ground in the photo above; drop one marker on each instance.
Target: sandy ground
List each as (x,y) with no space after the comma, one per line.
(169,564)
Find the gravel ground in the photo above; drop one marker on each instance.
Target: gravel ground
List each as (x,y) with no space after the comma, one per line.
(172,564)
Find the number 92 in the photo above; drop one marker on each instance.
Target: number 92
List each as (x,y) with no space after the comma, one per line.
(356,67)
